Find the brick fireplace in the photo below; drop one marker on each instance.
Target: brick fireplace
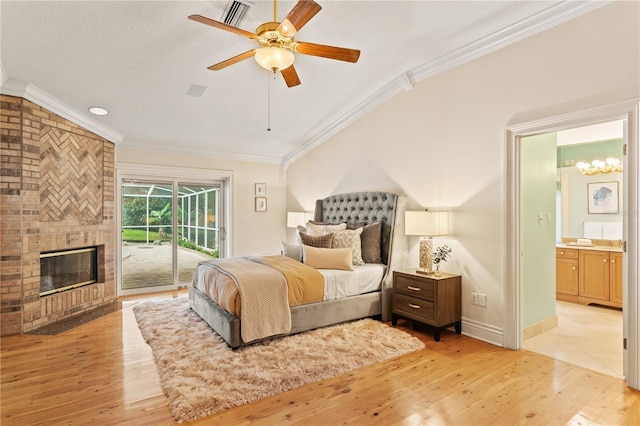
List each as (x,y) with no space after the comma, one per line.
(56,193)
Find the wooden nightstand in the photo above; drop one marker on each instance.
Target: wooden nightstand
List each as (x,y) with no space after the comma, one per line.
(429,299)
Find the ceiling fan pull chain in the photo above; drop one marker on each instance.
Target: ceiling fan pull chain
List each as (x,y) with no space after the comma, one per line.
(269,102)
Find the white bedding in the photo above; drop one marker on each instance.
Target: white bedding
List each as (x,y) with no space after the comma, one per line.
(363,279)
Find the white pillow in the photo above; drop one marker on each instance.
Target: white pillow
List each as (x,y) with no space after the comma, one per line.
(317,229)
(349,238)
(323,258)
(293,251)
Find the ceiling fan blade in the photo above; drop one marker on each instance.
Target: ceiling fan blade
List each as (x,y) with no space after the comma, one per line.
(290,76)
(301,13)
(231,61)
(222,26)
(331,52)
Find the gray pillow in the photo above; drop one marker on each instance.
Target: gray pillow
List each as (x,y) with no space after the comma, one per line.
(371,241)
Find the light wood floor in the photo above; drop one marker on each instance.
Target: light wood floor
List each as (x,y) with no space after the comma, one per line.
(102,373)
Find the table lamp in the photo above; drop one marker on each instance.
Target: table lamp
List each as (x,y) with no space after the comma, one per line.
(426,224)
(295,219)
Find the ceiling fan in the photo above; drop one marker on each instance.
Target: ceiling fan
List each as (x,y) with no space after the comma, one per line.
(277,44)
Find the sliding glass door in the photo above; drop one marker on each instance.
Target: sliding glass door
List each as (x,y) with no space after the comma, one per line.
(147,234)
(167,228)
(198,230)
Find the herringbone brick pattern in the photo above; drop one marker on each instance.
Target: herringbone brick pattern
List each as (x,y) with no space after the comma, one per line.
(71,176)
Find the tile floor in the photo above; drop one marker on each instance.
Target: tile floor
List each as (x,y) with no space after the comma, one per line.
(588,336)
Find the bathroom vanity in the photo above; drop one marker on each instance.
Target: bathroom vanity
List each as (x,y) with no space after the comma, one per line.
(589,275)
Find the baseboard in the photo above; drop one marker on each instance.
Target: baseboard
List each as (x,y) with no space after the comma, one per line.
(540,327)
(485,332)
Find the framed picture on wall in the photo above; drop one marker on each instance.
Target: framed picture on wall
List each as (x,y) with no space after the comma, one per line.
(602,197)
(261,204)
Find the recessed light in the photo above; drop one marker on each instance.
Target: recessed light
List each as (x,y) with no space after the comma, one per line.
(98,111)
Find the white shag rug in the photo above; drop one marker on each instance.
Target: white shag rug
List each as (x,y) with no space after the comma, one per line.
(201,375)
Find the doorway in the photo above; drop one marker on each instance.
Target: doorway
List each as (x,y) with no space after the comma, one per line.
(627,112)
(575,324)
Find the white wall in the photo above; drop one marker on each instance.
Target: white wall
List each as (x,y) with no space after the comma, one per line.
(252,232)
(443,143)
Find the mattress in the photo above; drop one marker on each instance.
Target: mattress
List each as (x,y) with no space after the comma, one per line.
(337,284)
(363,279)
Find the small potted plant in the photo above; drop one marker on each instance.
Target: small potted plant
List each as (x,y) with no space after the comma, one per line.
(441,254)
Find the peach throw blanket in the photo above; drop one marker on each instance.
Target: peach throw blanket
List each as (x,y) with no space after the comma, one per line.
(266,287)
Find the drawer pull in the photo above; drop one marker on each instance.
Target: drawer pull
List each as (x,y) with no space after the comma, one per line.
(411,305)
(561,252)
(413,288)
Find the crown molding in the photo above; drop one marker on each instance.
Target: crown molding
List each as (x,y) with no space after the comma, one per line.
(45,100)
(223,155)
(542,21)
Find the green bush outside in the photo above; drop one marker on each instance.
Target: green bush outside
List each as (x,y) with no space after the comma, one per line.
(193,246)
(135,213)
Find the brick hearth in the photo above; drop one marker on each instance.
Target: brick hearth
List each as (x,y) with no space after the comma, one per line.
(56,193)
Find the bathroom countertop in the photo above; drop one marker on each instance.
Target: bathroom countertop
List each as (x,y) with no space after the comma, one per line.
(592,247)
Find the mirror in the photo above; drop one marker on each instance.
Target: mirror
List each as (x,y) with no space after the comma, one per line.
(589,205)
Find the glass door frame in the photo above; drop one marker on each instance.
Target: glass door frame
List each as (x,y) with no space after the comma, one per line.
(168,281)
(177,176)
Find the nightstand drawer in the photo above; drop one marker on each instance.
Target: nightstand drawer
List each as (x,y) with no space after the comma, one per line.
(413,307)
(420,288)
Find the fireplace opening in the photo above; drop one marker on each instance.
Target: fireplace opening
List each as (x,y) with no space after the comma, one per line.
(63,270)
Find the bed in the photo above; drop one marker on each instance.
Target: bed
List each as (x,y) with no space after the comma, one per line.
(357,209)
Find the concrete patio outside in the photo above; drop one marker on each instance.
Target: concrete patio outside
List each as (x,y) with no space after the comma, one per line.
(146,265)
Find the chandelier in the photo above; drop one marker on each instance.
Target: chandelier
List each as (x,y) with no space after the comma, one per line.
(598,166)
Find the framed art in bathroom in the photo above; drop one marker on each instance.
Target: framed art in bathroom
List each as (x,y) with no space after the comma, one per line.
(602,197)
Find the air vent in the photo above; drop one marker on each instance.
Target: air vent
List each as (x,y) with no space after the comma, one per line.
(234,12)
(196,90)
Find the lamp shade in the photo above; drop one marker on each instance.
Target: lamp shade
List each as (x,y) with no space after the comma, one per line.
(295,219)
(274,58)
(426,223)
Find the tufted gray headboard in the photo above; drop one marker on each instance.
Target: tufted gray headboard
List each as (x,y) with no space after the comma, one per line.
(357,208)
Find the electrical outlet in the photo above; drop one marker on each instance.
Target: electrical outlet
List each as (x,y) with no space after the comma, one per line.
(482,299)
(474,298)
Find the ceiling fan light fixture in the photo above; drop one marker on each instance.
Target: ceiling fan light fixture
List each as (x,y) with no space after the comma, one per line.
(287,29)
(274,58)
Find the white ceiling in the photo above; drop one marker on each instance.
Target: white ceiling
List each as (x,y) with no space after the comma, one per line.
(139,58)
(593,133)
